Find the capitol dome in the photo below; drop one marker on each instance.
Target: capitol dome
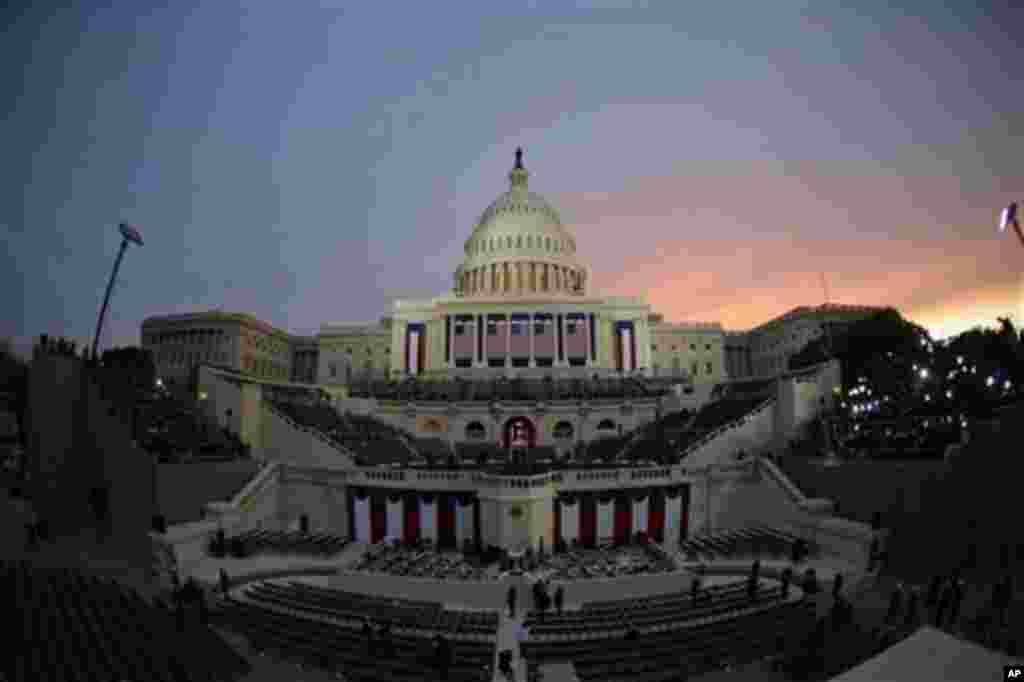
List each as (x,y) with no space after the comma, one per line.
(519,246)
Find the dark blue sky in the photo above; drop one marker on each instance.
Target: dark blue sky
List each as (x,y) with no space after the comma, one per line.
(311,161)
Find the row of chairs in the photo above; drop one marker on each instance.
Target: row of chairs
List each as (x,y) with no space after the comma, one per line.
(750,541)
(432,614)
(298,599)
(291,542)
(344,650)
(698,650)
(660,618)
(77,628)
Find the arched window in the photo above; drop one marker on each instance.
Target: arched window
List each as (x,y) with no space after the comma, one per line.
(547,243)
(529,241)
(606,425)
(563,431)
(519,242)
(475,431)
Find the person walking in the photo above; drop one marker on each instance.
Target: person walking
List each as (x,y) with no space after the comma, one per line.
(522,634)
(225,584)
(559,599)
(510,600)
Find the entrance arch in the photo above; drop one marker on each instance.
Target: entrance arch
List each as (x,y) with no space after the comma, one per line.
(519,432)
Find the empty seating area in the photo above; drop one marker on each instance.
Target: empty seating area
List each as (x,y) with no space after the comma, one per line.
(254,542)
(581,564)
(697,648)
(175,429)
(512,390)
(373,441)
(421,617)
(659,613)
(343,649)
(71,627)
(407,561)
(760,541)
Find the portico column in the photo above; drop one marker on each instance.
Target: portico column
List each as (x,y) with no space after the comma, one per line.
(508,341)
(450,327)
(533,362)
(565,355)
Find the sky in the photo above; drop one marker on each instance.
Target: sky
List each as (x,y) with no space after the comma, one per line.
(311,162)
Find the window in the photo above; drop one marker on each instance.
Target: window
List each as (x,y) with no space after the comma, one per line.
(707,346)
(519,242)
(707,368)
(693,368)
(654,348)
(349,351)
(693,346)
(529,241)
(492,329)
(547,243)
(570,327)
(538,328)
(459,330)
(675,347)
(333,369)
(517,329)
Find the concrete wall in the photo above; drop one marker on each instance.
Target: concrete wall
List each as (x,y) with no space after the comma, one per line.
(326,507)
(184,489)
(221,396)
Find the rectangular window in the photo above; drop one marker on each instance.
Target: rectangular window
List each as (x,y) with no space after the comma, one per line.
(707,368)
(459,330)
(693,346)
(492,329)
(577,362)
(538,328)
(520,362)
(654,348)
(464,363)
(545,362)
(495,362)
(518,329)
(570,327)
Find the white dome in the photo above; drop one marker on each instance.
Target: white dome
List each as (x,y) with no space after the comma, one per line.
(522,227)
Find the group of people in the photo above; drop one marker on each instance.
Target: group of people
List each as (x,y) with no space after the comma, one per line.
(579,564)
(378,639)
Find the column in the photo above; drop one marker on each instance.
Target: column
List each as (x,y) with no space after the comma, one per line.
(449,322)
(533,362)
(508,341)
(587,321)
(563,356)
(519,277)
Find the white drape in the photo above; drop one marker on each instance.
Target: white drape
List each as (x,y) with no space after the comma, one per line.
(394,530)
(571,522)
(428,520)
(605,519)
(627,351)
(673,510)
(414,352)
(640,515)
(362,519)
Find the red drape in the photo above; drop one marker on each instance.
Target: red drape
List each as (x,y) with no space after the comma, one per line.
(623,520)
(411,532)
(588,521)
(446,520)
(378,519)
(656,517)
(558,525)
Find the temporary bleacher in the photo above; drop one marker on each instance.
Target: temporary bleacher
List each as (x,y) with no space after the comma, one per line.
(513,390)
(757,540)
(174,427)
(263,541)
(73,627)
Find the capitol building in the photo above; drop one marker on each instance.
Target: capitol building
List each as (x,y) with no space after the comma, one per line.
(521,305)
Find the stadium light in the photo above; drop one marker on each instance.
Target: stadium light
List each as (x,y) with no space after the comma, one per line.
(1008,218)
(128,234)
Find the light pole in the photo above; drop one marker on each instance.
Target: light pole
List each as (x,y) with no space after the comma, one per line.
(1008,218)
(128,234)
